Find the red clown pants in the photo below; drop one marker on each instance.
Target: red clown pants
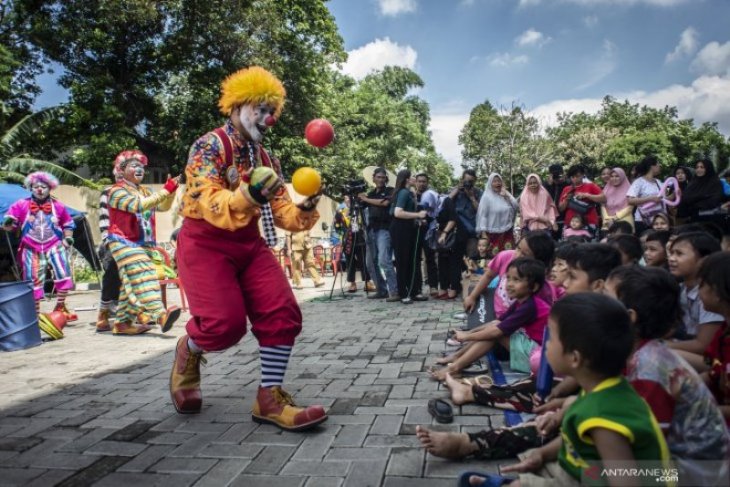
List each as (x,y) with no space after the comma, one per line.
(229,276)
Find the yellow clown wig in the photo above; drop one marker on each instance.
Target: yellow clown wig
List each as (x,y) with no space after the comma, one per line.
(251,85)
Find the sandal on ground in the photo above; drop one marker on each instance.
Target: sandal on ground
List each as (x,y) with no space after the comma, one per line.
(490,479)
(441,411)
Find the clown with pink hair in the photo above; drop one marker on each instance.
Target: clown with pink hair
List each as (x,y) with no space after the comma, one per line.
(46,232)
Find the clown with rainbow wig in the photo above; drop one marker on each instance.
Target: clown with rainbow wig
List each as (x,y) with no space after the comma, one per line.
(226,265)
(46,232)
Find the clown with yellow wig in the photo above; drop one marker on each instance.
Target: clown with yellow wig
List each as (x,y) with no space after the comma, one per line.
(229,272)
(46,232)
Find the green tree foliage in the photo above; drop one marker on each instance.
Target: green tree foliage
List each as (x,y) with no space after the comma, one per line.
(507,141)
(20,63)
(377,123)
(511,141)
(15,162)
(621,133)
(146,73)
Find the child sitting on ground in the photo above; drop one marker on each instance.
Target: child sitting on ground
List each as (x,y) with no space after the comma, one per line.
(655,249)
(714,276)
(559,269)
(475,264)
(618,228)
(589,266)
(629,246)
(519,330)
(576,228)
(608,424)
(699,325)
(685,409)
(537,245)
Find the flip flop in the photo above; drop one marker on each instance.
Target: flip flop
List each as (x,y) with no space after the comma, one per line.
(490,480)
(441,411)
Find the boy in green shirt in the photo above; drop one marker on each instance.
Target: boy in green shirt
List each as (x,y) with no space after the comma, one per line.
(608,429)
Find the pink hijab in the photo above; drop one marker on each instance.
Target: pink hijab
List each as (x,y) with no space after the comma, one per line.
(616,195)
(536,205)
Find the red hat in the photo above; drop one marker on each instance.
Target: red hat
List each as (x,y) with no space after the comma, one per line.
(126,156)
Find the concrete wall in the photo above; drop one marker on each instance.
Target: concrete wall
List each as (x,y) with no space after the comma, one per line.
(87,200)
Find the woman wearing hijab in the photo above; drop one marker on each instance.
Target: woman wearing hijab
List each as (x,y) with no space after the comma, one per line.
(537,208)
(617,205)
(703,193)
(496,215)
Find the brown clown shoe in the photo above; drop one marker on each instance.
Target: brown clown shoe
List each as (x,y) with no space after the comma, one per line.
(275,406)
(169,318)
(129,329)
(185,379)
(102,321)
(70,316)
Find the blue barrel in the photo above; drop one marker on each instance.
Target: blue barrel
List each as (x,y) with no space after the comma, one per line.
(18,319)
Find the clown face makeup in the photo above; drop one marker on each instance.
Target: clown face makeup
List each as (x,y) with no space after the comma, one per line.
(253,120)
(134,171)
(40,191)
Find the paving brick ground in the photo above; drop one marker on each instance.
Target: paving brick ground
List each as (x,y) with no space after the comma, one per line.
(95,409)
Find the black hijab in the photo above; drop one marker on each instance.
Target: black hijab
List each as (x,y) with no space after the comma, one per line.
(702,193)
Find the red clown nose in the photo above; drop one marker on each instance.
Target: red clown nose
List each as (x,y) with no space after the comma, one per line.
(270,120)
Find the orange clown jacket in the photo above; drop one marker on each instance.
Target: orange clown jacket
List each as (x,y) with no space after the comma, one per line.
(211,190)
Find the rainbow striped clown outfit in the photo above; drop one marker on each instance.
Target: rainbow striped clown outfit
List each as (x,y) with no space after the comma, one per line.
(130,238)
(46,231)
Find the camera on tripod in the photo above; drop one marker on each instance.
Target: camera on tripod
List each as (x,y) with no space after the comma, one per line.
(355,187)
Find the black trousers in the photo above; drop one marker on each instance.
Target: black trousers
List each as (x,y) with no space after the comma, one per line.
(450,264)
(110,282)
(356,262)
(407,252)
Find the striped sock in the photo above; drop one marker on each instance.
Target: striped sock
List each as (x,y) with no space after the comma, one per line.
(273,364)
(105,305)
(61,299)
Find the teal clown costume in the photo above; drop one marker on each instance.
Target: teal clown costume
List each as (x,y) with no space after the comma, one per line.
(130,240)
(228,269)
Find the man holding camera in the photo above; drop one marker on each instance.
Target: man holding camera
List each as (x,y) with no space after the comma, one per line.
(379,255)
(466,202)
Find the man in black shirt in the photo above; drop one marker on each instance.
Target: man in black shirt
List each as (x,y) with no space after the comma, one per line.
(379,253)
(555,183)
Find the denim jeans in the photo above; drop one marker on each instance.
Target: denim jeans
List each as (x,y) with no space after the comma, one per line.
(379,257)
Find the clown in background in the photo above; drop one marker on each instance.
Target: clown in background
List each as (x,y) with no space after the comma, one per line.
(110,283)
(228,269)
(130,239)
(46,232)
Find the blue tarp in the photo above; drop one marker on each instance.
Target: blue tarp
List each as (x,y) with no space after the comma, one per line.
(10,193)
